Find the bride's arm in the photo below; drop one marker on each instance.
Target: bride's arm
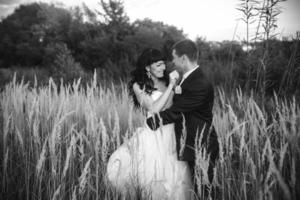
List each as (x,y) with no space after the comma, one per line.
(146,101)
(169,101)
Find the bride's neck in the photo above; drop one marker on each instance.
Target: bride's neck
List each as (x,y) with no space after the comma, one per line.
(155,80)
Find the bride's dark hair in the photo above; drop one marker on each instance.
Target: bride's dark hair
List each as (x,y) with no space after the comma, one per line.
(139,74)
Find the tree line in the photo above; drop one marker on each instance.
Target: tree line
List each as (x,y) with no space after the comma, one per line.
(49,40)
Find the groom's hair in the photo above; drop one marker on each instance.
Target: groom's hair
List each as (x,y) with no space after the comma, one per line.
(188,48)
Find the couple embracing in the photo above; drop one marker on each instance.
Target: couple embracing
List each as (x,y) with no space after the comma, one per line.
(160,156)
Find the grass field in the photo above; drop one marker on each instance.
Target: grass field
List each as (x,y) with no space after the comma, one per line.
(55,142)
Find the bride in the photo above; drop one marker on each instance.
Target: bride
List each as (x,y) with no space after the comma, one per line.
(148,160)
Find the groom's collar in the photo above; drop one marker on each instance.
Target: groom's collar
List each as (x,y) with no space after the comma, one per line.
(186,74)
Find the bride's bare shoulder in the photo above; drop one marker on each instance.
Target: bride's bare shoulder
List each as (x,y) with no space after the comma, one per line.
(135,85)
(143,98)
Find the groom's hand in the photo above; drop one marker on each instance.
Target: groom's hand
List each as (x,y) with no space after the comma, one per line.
(153,122)
(150,124)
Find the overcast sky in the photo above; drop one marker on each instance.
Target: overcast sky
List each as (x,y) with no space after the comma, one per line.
(215,20)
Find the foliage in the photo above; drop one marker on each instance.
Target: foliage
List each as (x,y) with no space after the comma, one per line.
(64,66)
(19,41)
(104,39)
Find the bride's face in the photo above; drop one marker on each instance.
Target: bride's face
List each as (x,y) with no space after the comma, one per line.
(157,69)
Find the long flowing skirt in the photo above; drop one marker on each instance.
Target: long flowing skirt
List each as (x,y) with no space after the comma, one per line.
(149,161)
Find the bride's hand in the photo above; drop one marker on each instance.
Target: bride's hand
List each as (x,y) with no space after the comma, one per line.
(173,77)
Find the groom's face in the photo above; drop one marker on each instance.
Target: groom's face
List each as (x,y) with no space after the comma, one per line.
(178,61)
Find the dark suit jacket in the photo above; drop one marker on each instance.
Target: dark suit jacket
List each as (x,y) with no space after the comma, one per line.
(195,103)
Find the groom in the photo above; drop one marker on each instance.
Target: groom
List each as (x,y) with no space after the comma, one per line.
(193,99)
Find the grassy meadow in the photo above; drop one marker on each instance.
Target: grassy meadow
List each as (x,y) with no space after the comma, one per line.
(56,140)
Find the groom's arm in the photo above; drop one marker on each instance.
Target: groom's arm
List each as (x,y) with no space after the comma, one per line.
(187,102)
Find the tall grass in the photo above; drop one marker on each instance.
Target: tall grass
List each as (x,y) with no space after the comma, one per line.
(56,140)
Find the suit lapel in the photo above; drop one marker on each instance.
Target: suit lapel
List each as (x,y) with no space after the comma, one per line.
(195,74)
(188,82)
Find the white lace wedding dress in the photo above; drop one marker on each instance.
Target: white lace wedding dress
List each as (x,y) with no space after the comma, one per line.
(148,160)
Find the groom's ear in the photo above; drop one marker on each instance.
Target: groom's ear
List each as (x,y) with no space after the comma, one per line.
(184,57)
